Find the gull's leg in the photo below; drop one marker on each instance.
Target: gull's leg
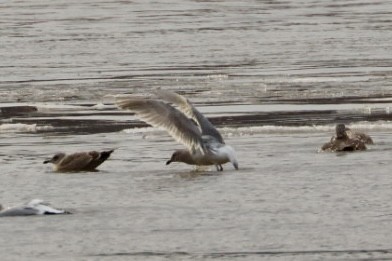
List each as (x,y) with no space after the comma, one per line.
(219,167)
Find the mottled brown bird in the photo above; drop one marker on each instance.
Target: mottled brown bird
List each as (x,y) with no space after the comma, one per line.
(80,161)
(346,139)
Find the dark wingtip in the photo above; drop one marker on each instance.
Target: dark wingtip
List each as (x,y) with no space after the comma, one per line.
(106,154)
(168,162)
(46,161)
(109,151)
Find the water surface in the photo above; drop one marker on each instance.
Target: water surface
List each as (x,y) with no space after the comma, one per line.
(273,76)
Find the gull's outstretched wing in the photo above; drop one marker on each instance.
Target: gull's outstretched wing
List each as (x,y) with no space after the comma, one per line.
(188,109)
(160,114)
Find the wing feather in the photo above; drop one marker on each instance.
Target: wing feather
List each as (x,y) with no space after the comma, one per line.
(207,128)
(160,114)
(74,162)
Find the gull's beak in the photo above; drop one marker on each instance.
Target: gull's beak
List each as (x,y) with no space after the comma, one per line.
(47,161)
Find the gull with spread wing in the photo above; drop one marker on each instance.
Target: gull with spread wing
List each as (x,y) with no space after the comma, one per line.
(204,143)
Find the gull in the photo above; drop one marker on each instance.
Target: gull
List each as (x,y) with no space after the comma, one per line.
(80,161)
(346,139)
(34,207)
(204,144)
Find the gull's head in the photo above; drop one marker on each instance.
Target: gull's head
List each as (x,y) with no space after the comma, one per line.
(56,158)
(175,157)
(180,156)
(341,131)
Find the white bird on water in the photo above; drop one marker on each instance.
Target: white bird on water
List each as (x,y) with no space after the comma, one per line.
(204,143)
(34,207)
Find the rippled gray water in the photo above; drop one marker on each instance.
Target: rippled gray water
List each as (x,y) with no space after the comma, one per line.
(274,76)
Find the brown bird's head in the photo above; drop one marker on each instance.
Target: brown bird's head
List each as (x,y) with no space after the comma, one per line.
(56,158)
(341,131)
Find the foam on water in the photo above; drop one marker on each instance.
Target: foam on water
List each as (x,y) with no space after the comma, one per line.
(22,128)
(271,129)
